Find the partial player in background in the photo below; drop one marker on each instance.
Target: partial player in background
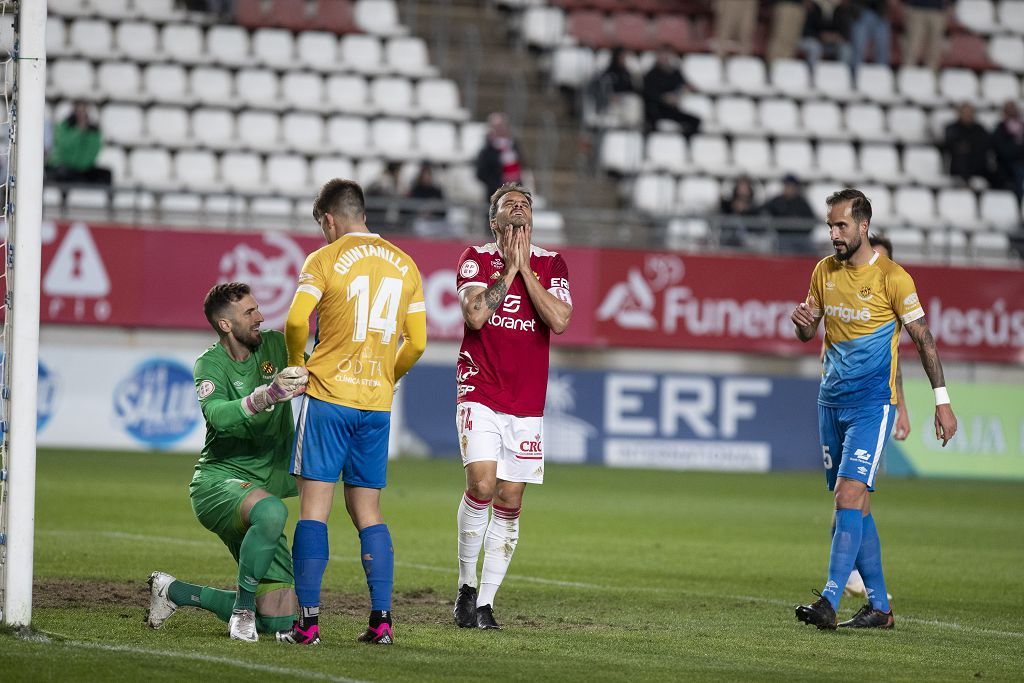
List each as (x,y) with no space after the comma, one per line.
(513,296)
(242,474)
(865,299)
(368,295)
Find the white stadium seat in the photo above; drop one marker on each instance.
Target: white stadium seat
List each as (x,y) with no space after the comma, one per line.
(837,160)
(1000,210)
(439,97)
(228,45)
(698,194)
(705,73)
(736,114)
(711,155)
(259,130)
(325,168)
(214,128)
(166,83)
(794,156)
(349,135)
(543,26)
(833,81)
(881,203)
(666,152)
(917,84)
(702,106)
(747,75)
(91,38)
(168,126)
(362,53)
(907,243)
(183,43)
(137,40)
(180,202)
(958,85)
(242,171)
(572,65)
(258,87)
(792,77)
(999,86)
(369,170)
(977,15)
(407,55)
(378,16)
(876,83)
(212,86)
(271,211)
(303,90)
(915,205)
(112,9)
(939,118)
(87,199)
(1007,52)
(753,156)
(347,93)
(881,162)
(392,95)
(436,140)
(197,170)
(120,81)
(947,245)
(303,131)
(923,164)
(56,37)
(959,207)
(273,47)
(654,193)
(392,138)
(68,8)
(907,124)
(161,10)
(622,151)
(780,117)
(990,245)
(471,138)
(866,121)
(288,174)
(72,78)
(1011,16)
(150,167)
(318,50)
(122,124)
(115,159)
(823,119)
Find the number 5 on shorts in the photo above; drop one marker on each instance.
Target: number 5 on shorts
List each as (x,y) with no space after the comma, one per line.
(826,456)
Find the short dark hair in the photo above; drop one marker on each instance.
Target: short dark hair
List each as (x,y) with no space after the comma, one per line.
(339,197)
(879,239)
(220,297)
(860,205)
(504,190)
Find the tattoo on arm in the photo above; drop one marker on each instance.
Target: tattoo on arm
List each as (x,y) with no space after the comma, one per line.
(495,294)
(922,337)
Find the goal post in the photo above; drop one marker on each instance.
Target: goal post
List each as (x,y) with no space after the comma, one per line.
(21,321)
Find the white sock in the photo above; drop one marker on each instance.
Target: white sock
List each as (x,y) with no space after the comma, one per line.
(499,544)
(472,519)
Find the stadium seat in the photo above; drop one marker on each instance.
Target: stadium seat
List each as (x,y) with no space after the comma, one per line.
(822,119)
(866,122)
(622,151)
(881,162)
(229,46)
(407,55)
(702,106)
(317,50)
(368,170)
(349,135)
(168,127)
(271,212)
(72,78)
(907,243)
(259,130)
(698,194)
(1007,52)
(654,193)
(90,38)
(471,138)
(907,124)
(990,246)
(544,27)
(938,119)
(686,233)
(711,155)
(122,124)
(288,174)
(335,15)
(378,16)
(56,37)
(226,205)
(794,156)
(780,116)
(917,84)
(303,132)
(747,75)
(116,160)
(180,203)
(113,9)
(1011,16)
(251,14)
(303,90)
(1000,210)
(133,201)
(832,80)
(87,199)
(291,15)
(675,32)
(753,156)
(572,65)
(273,47)
(150,167)
(439,98)
(120,81)
(838,161)
(915,205)
(923,164)
(68,8)
(666,152)
(214,128)
(736,114)
(999,86)
(166,83)
(436,141)
(362,53)
(324,168)
(197,170)
(242,171)
(347,93)
(633,31)
(392,95)
(977,15)
(792,78)
(212,86)
(705,73)
(183,43)
(137,40)
(161,10)
(587,27)
(881,203)
(875,82)
(947,245)
(258,87)
(958,85)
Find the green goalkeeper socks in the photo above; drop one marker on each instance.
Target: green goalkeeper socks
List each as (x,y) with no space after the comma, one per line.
(266,524)
(220,602)
(184,594)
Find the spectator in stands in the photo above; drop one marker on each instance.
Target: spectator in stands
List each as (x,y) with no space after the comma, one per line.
(792,216)
(1008,143)
(741,201)
(613,88)
(223,10)
(787,24)
(663,85)
(925,22)
(76,146)
(870,29)
(969,146)
(735,21)
(499,161)
(423,188)
(382,196)
(827,31)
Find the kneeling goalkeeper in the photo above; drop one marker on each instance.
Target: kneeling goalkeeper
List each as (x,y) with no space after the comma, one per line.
(244,387)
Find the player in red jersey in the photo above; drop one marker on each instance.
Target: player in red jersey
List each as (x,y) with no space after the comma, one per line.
(513,296)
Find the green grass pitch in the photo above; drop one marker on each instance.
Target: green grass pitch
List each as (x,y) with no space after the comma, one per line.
(619,575)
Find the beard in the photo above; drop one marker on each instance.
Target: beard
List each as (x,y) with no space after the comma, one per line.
(251,339)
(850,249)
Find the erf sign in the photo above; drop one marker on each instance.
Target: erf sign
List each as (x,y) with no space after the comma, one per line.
(647,419)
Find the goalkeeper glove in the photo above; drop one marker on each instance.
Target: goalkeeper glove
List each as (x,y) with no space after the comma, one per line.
(288,383)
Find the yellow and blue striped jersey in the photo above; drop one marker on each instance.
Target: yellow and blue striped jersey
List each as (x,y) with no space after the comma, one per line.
(864,308)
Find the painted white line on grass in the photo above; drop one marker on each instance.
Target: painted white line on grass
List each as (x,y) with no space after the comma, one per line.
(213,659)
(551,582)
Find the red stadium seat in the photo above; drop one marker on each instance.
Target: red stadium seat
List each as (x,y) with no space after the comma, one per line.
(290,14)
(250,14)
(674,31)
(589,29)
(968,51)
(336,16)
(632,31)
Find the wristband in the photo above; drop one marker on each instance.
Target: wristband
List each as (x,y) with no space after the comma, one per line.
(941,396)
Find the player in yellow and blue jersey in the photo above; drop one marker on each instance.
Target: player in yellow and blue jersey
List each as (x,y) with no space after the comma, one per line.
(368,296)
(865,299)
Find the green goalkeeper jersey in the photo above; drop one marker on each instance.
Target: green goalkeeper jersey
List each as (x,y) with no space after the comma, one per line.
(258,448)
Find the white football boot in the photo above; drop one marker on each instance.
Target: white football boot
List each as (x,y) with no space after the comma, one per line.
(855,587)
(243,626)
(160,605)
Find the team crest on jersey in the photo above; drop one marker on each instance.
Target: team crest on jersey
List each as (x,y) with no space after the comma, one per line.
(497,263)
(245,485)
(205,388)
(267,368)
(469,268)
(864,294)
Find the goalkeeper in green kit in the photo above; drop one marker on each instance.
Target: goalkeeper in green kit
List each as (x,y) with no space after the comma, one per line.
(244,388)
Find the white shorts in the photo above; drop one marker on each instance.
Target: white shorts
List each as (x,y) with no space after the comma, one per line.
(515,443)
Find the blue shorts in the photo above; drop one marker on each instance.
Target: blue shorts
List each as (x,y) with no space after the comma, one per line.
(335,442)
(852,441)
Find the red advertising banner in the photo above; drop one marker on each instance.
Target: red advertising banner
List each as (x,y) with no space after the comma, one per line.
(108,275)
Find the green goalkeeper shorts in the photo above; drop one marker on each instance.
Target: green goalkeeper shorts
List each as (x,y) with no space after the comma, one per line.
(217,504)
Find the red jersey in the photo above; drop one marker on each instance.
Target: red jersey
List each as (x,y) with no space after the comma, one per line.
(504,364)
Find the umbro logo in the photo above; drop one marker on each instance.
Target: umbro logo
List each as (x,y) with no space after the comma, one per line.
(862,470)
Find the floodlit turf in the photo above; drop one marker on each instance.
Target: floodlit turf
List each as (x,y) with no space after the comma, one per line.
(619,575)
